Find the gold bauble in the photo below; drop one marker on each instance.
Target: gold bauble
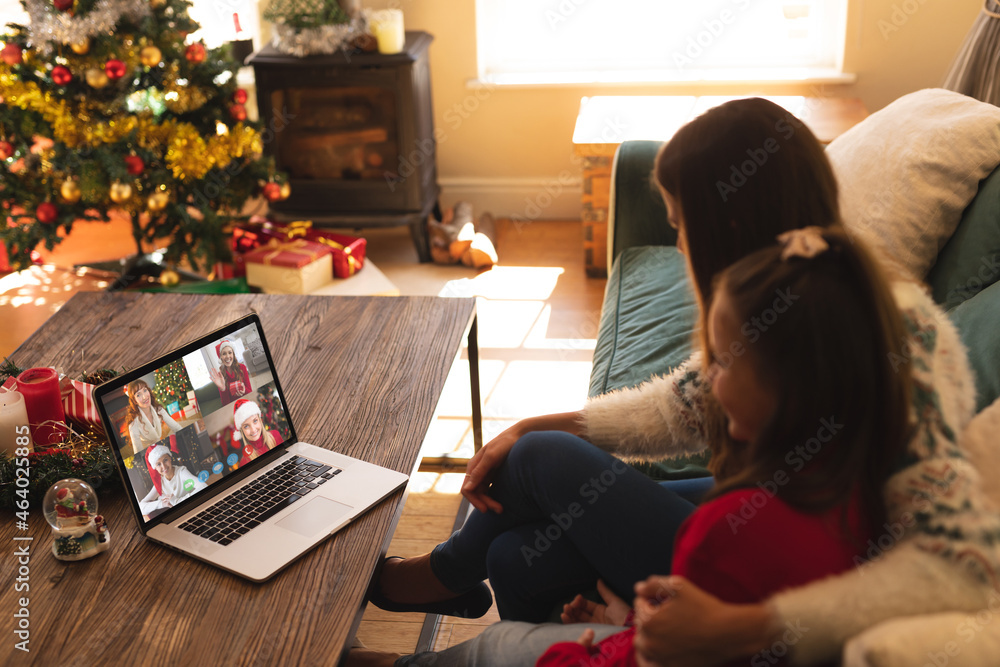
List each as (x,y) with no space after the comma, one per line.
(70,192)
(96,78)
(82,47)
(286,191)
(156,4)
(169,277)
(157,201)
(120,192)
(150,56)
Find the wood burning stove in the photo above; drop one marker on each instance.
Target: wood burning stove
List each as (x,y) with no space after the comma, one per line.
(355,133)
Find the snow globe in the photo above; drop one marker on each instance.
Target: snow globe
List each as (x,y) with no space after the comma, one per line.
(78,531)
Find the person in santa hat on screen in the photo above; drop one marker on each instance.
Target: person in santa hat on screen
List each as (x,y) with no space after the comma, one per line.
(253,437)
(232,377)
(171,484)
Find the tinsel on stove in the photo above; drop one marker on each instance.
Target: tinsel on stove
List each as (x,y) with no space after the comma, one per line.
(310,27)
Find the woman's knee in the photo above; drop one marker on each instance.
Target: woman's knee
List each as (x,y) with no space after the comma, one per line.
(541,448)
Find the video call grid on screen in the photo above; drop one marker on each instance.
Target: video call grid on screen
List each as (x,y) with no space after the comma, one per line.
(206,445)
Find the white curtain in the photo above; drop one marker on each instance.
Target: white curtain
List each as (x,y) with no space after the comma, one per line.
(976,70)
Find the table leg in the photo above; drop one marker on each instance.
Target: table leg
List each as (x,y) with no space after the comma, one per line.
(477,403)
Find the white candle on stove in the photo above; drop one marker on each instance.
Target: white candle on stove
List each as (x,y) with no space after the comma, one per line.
(387,27)
(13,422)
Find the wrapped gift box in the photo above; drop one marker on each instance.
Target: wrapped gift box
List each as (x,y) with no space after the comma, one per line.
(348,251)
(290,267)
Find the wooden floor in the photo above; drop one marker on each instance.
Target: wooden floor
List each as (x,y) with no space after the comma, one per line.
(538,318)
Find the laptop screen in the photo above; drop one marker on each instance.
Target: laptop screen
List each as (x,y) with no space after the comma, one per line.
(185,422)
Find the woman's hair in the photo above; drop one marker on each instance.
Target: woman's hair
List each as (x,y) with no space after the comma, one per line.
(132,413)
(269,440)
(829,352)
(740,174)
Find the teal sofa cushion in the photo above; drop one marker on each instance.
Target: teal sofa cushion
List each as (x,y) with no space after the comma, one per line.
(978,322)
(647,326)
(970,260)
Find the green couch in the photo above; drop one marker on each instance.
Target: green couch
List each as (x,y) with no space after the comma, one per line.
(649,312)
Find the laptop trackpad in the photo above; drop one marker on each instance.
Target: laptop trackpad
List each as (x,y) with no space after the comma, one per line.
(314,515)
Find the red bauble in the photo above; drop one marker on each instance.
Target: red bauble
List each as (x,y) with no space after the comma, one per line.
(62,5)
(134,164)
(240,96)
(115,69)
(61,75)
(12,54)
(46,213)
(195,53)
(6,150)
(272,192)
(238,112)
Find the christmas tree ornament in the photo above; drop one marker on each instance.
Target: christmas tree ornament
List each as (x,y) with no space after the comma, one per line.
(120,192)
(157,201)
(78,531)
(96,78)
(12,55)
(285,191)
(238,112)
(70,191)
(195,53)
(240,96)
(6,150)
(61,75)
(150,56)
(134,165)
(156,4)
(63,5)
(46,213)
(81,47)
(169,278)
(115,69)
(272,192)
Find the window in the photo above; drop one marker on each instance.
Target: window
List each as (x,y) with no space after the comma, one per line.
(217,22)
(620,41)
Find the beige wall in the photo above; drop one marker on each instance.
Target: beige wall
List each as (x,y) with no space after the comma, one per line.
(502,147)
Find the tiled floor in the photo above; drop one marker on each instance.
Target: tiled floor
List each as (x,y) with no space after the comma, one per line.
(538,316)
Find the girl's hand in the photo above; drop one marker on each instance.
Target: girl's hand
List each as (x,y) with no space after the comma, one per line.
(681,625)
(586,640)
(582,610)
(217,378)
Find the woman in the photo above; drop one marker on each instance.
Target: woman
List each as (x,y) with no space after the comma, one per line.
(253,438)
(171,484)
(232,377)
(944,534)
(145,417)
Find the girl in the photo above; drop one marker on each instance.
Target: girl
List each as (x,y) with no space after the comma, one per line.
(816,418)
(232,377)
(950,540)
(145,417)
(171,484)
(254,440)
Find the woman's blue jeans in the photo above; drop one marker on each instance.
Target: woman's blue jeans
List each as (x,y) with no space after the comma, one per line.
(572,513)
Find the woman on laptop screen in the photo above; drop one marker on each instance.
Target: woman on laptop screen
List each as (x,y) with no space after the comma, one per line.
(145,417)
(232,377)
(255,439)
(171,484)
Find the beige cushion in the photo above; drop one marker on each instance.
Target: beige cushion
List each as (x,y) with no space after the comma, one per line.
(908,171)
(952,638)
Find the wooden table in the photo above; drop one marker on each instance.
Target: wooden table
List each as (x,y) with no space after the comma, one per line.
(362,376)
(605,122)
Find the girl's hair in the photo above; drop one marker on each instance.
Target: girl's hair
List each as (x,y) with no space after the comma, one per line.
(742,173)
(132,413)
(842,394)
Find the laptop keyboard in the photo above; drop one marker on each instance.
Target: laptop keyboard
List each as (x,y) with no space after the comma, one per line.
(235,515)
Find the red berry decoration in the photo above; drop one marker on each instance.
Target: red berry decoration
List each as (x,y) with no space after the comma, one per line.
(12,55)
(46,213)
(62,5)
(238,112)
(115,69)
(195,53)
(134,165)
(272,192)
(6,150)
(240,96)
(61,75)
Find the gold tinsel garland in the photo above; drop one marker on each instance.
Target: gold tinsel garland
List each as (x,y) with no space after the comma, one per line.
(188,155)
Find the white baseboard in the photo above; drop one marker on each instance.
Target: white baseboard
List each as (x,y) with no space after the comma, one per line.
(556,198)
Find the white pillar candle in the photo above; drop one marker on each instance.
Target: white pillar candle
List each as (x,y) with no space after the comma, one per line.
(13,422)
(387,27)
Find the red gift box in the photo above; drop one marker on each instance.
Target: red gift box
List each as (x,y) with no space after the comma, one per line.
(290,267)
(348,252)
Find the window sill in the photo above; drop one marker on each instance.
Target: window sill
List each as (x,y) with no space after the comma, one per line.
(669,79)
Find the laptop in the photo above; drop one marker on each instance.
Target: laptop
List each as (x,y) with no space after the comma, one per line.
(218,472)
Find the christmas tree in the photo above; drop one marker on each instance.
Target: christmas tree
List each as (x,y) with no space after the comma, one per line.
(104,107)
(172,385)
